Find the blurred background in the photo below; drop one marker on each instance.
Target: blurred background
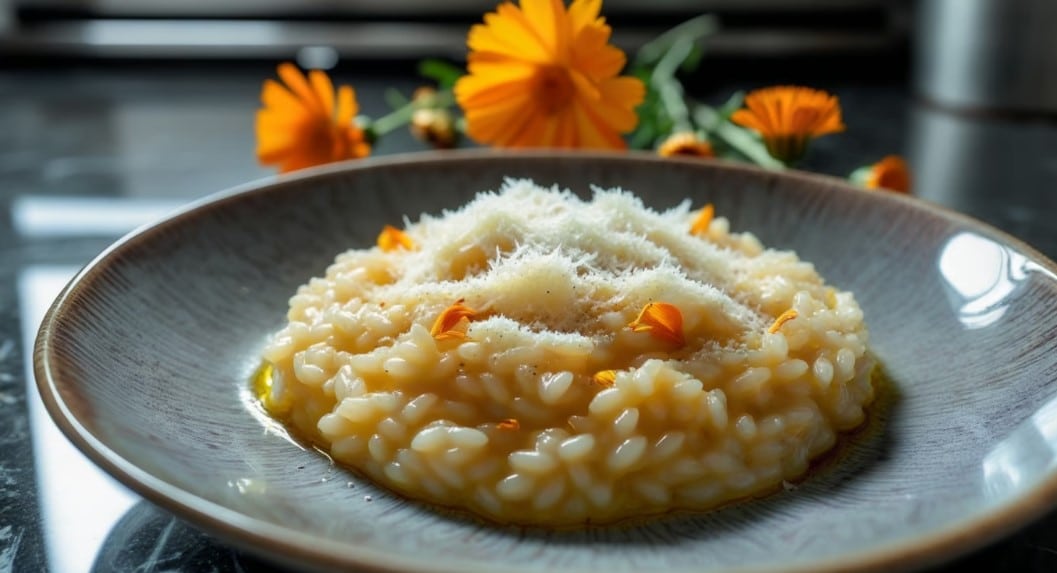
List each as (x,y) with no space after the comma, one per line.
(115,112)
(398,29)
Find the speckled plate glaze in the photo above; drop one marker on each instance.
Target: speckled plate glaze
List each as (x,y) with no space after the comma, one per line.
(145,361)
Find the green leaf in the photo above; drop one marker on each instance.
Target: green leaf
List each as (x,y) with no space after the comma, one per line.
(693,59)
(733,104)
(692,30)
(707,117)
(749,144)
(739,139)
(440,71)
(395,99)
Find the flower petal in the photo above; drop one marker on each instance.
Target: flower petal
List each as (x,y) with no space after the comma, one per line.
(583,13)
(703,220)
(324,90)
(391,239)
(605,378)
(491,83)
(620,97)
(509,424)
(891,172)
(296,82)
(782,319)
(594,56)
(450,323)
(549,22)
(595,133)
(507,32)
(534,130)
(585,88)
(347,107)
(496,122)
(276,97)
(662,321)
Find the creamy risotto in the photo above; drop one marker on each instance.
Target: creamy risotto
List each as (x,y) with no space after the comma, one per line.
(537,358)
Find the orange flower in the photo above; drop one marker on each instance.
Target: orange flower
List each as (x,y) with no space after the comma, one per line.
(661,320)
(703,220)
(788,117)
(541,75)
(391,239)
(686,144)
(605,378)
(299,125)
(890,173)
(782,319)
(453,321)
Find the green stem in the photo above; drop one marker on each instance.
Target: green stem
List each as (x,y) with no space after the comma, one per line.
(668,87)
(693,29)
(737,138)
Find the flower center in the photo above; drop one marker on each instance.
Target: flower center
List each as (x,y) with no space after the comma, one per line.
(554,88)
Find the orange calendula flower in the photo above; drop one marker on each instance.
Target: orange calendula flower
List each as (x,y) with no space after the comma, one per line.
(453,321)
(541,75)
(782,319)
(890,173)
(605,378)
(661,320)
(391,239)
(789,117)
(303,123)
(685,144)
(703,220)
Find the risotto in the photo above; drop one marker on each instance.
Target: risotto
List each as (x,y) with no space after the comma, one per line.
(537,358)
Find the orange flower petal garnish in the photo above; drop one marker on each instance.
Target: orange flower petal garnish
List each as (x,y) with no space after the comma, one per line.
(661,320)
(703,220)
(509,424)
(452,321)
(391,239)
(782,319)
(543,75)
(605,378)
(303,123)
(788,117)
(890,173)
(685,144)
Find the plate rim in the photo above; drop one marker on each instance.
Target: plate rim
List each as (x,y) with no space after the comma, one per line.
(295,548)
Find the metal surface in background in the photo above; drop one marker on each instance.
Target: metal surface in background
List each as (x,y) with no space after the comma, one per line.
(988,55)
(411,29)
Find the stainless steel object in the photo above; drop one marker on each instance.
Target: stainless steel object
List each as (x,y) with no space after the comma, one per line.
(991,55)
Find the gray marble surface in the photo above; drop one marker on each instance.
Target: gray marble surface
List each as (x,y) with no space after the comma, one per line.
(87,154)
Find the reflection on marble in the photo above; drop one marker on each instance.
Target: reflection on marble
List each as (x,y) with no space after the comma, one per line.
(980,276)
(150,539)
(79,502)
(37,217)
(1000,170)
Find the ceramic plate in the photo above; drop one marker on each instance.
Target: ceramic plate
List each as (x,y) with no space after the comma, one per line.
(145,362)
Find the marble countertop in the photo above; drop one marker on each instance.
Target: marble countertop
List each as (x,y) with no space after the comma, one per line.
(87,154)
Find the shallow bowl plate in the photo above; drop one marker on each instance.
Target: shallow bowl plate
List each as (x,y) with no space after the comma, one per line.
(146,357)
